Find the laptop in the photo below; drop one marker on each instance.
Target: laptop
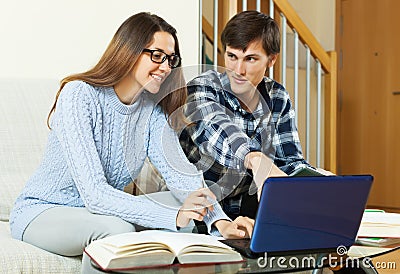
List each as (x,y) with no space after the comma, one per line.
(298,215)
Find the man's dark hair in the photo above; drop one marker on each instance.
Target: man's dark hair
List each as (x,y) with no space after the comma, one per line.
(248,26)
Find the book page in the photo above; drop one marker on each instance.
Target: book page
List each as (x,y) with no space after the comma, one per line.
(381,218)
(174,240)
(146,247)
(129,250)
(380,231)
(136,248)
(179,241)
(379,224)
(130,240)
(364,251)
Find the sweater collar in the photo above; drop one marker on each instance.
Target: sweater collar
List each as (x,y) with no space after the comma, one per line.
(122,108)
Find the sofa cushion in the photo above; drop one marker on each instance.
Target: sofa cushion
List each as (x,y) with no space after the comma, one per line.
(20,257)
(24,106)
(149,180)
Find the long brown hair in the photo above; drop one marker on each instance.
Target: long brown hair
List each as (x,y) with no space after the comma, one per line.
(122,53)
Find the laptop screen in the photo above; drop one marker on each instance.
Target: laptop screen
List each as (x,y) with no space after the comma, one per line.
(309,213)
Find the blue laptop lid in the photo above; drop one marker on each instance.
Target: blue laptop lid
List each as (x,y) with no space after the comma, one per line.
(309,213)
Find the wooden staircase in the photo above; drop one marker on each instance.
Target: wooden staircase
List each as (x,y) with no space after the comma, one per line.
(326,61)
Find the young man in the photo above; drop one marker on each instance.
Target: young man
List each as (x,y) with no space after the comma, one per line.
(242,123)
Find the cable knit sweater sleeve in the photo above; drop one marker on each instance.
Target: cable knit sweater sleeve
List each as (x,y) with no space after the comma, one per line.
(182,177)
(76,112)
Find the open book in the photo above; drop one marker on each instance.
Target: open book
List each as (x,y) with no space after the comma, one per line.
(373,241)
(379,224)
(155,248)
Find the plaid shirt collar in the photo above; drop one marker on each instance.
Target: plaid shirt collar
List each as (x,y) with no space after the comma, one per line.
(234,102)
(231,98)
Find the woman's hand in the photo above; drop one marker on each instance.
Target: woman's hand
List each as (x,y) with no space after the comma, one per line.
(241,227)
(195,206)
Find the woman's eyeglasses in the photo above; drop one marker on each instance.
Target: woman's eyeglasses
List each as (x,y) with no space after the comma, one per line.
(159,57)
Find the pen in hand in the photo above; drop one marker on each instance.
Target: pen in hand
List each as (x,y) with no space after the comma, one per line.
(197,205)
(211,198)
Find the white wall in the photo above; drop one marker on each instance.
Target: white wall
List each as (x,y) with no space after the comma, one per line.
(319,16)
(55,38)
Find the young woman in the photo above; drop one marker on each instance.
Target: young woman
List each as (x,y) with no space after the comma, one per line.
(104,123)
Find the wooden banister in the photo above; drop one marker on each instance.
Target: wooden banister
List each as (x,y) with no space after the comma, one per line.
(209,32)
(329,65)
(305,35)
(331,114)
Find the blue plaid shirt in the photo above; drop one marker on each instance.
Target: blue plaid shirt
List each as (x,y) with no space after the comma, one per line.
(222,133)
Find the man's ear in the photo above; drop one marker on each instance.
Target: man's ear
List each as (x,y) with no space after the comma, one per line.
(271,60)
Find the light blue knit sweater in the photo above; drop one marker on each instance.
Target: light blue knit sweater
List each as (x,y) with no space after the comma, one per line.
(97,145)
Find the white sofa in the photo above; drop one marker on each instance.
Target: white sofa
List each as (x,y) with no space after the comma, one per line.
(24,105)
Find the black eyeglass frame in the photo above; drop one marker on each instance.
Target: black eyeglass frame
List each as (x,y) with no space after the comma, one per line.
(166,56)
